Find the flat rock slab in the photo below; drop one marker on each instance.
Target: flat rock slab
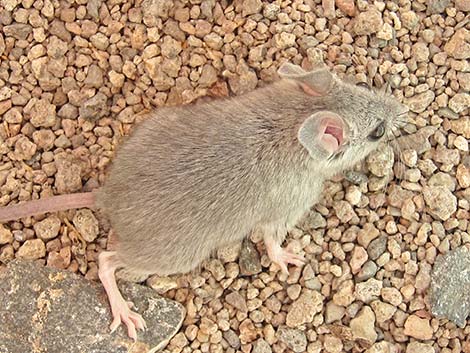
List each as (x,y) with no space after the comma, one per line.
(450,286)
(48,310)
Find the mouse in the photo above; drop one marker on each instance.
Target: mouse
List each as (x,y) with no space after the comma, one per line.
(192,179)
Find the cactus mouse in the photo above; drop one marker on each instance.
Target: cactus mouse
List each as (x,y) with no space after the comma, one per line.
(194,178)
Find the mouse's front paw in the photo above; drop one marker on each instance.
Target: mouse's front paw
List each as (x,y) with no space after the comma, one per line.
(133,320)
(284,256)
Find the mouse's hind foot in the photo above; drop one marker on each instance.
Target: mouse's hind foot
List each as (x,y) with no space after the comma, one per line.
(121,310)
(282,256)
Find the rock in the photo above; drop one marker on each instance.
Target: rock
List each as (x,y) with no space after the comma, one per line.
(6,237)
(358,258)
(458,46)
(383,311)
(65,304)
(463,176)
(459,102)
(229,253)
(462,5)
(391,295)
(43,114)
(251,7)
(333,344)
(409,19)
(450,286)
(362,326)
(344,211)
(232,338)
(384,347)
(368,22)
(418,328)
(237,301)
(461,127)
(440,201)
(437,6)
(368,271)
(47,228)
(377,247)
(249,260)
(208,76)
(94,77)
(293,338)
(419,102)
(261,346)
(271,10)
(86,224)
(31,250)
(94,108)
(19,31)
(347,6)
(418,347)
(345,294)
(333,312)
(386,32)
(24,148)
(304,308)
(67,178)
(420,51)
(380,161)
(153,9)
(284,40)
(248,332)
(418,141)
(367,291)
(161,284)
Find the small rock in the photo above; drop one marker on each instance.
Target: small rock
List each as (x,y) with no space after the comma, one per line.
(208,76)
(440,201)
(333,312)
(459,102)
(251,7)
(437,6)
(19,31)
(345,294)
(386,32)
(347,6)
(271,10)
(377,247)
(249,260)
(358,258)
(418,347)
(47,228)
(368,22)
(237,301)
(6,237)
(94,108)
(450,286)
(461,127)
(232,339)
(391,295)
(304,308)
(24,148)
(367,291)
(458,46)
(419,102)
(362,326)
(284,40)
(248,332)
(293,338)
(32,249)
(43,114)
(244,81)
(462,5)
(161,284)
(344,211)
(383,311)
(86,224)
(261,346)
(67,178)
(418,328)
(380,161)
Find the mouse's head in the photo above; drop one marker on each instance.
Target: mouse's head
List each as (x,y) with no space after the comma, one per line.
(348,121)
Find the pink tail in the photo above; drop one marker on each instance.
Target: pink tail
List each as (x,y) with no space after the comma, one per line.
(49,204)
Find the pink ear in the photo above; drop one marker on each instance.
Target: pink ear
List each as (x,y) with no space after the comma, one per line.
(331,133)
(309,90)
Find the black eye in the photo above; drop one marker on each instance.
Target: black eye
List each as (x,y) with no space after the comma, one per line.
(363,85)
(378,132)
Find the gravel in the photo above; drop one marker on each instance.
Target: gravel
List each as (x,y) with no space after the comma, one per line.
(76,78)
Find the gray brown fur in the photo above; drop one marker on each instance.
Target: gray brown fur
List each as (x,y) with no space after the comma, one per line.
(192,179)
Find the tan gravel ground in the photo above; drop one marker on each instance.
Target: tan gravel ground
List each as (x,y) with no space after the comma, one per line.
(75,76)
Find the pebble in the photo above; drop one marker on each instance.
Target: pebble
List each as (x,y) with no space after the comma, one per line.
(459,102)
(377,247)
(418,328)
(368,291)
(249,260)
(6,237)
(251,7)
(418,347)
(294,339)
(358,258)
(67,178)
(86,224)
(368,22)
(161,284)
(237,301)
(380,161)
(47,228)
(43,114)
(383,311)
(32,249)
(304,308)
(362,326)
(261,346)
(440,201)
(419,102)
(347,6)
(458,46)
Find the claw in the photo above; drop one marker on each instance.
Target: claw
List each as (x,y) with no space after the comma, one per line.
(283,256)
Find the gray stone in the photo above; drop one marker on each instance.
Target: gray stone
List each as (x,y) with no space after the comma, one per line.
(450,285)
(377,247)
(261,346)
(249,260)
(293,338)
(94,108)
(49,310)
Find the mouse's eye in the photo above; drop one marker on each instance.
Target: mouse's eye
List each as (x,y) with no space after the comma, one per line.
(363,85)
(378,132)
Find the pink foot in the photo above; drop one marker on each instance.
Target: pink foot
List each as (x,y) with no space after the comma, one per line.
(283,256)
(120,309)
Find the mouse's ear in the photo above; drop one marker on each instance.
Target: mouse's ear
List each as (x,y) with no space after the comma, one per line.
(323,131)
(315,83)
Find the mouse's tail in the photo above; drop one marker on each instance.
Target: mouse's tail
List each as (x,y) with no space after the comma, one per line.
(48,204)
